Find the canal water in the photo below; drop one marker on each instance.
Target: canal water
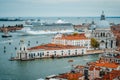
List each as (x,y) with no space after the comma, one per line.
(33,70)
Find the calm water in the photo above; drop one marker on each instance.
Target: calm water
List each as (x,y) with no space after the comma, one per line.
(32,70)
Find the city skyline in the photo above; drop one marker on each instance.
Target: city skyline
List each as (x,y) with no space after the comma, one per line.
(51,8)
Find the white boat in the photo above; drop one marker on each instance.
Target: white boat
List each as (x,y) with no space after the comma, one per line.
(28,31)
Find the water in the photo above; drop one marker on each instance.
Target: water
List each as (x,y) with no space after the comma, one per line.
(32,70)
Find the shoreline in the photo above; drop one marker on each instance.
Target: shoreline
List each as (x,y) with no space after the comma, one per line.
(90,52)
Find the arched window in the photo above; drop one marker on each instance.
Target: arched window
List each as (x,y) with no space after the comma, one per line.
(43,53)
(75,52)
(29,55)
(82,51)
(34,54)
(108,35)
(47,54)
(24,48)
(54,51)
(101,34)
(95,34)
(62,52)
(38,54)
(69,52)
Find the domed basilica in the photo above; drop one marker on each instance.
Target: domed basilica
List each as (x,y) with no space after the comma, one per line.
(103,34)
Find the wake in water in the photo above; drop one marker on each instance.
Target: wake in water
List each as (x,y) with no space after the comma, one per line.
(6,41)
(28,31)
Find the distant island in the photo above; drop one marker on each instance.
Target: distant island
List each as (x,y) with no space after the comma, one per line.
(11,19)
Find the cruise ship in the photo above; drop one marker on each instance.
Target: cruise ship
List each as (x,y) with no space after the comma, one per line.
(57,23)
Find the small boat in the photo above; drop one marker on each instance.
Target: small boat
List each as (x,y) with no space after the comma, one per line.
(6,34)
(71,60)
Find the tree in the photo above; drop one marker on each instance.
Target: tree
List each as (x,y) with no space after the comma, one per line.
(94,43)
(74,34)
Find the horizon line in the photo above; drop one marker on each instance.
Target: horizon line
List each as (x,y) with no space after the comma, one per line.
(52,16)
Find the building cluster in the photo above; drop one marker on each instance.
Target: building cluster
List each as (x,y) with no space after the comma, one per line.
(68,45)
(101,31)
(106,68)
(72,39)
(62,45)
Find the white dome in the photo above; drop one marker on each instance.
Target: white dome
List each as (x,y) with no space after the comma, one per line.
(103,24)
(93,26)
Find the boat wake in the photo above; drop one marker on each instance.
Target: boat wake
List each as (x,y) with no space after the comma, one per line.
(28,31)
(67,67)
(6,41)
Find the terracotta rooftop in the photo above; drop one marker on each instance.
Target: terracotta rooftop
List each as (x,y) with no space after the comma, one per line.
(94,68)
(73,37)
(51,46)
(106,64)
(71,76)
(112,75)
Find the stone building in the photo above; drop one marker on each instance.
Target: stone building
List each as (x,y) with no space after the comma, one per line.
(103,34)
(72,39)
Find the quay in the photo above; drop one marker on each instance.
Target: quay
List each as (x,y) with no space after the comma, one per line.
(89,52)
(11,28)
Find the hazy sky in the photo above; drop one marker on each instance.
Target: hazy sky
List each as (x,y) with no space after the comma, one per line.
(19,8)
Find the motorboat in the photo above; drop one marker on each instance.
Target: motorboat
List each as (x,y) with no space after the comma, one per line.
(5,35)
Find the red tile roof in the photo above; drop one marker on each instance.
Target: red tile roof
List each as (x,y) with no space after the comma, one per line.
(71,76)
(106,64)
(73,37)
(94,68)
(112,75)
(51,46)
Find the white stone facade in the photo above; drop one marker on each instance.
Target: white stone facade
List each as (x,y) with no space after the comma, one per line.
(23,53)
(75,42)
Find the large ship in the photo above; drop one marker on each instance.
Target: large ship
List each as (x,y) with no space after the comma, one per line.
(57,23)
(28,31)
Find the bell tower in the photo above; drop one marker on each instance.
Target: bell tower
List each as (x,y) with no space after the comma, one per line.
(22,52)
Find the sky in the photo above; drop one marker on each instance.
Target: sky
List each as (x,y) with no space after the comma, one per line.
(56,8)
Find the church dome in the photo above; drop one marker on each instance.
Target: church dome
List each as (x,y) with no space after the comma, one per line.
(103,24)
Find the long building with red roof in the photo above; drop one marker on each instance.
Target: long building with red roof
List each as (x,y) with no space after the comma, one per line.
(72,39)
(49,50)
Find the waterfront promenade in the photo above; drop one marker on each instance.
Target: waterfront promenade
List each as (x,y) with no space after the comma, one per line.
(94,51)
